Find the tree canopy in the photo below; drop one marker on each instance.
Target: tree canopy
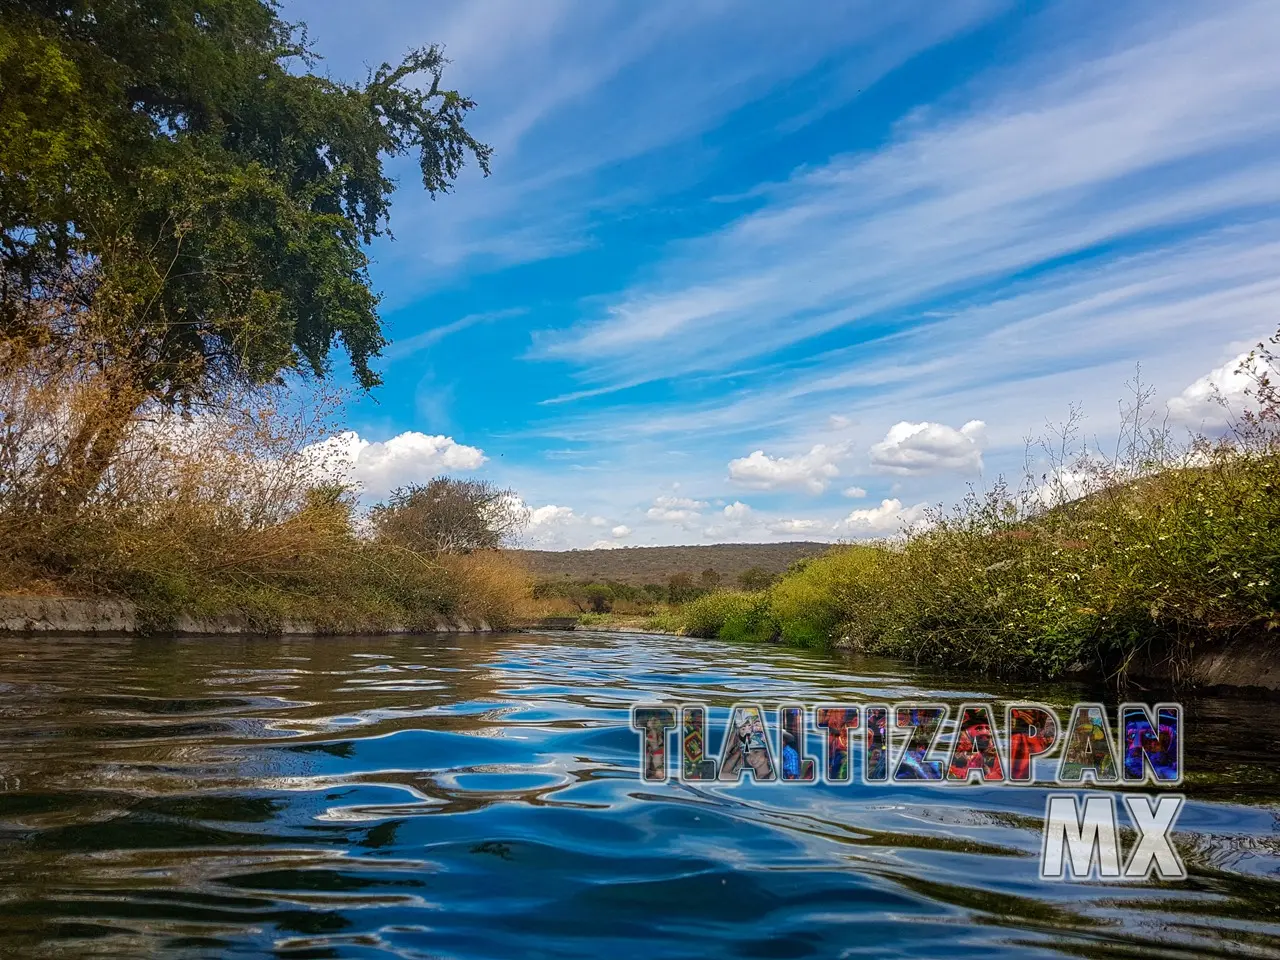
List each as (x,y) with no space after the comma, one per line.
(182,192)
(450,515)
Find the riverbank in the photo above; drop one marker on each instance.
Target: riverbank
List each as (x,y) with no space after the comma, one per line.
(238,519)
(51,616)
(1164,568)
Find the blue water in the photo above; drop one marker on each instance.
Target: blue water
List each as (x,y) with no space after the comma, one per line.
(480,797)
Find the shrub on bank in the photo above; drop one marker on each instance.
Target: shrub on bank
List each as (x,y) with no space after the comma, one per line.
(1186,556)
(728,614)
(1098,561)
(231,512)
(808,602)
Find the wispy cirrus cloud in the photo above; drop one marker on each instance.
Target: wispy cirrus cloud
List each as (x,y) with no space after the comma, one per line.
(1171,132)
(1070,194)
(567,92)
(407,347)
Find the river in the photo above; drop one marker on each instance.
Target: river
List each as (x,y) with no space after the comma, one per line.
(479,796)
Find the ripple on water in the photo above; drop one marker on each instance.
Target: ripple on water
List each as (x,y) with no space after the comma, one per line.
(478,797)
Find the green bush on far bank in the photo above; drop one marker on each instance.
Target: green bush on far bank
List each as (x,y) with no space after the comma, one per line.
(729,615)
(1093,564)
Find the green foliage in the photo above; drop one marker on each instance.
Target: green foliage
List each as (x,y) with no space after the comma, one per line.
(178,189)
(1162,548)
(750,619)
(809,602)
(756,578)
(599,598)
(729,615)
(449,515)
(1184,557)
(681,588)
(224,518)
(665,621)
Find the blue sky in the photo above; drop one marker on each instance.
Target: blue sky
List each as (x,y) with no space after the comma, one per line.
(740,275)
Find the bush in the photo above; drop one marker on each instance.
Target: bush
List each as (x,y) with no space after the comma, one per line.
(812,601)
(1099,560)
(729,615)
(231,512)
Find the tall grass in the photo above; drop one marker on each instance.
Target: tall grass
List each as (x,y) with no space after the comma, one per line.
(227,510)
(1091,562)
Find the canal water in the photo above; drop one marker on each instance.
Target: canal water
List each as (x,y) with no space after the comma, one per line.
(479,796)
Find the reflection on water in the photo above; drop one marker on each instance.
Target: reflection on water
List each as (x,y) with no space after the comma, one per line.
(479,797)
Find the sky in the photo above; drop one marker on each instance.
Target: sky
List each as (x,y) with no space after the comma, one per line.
(741,275)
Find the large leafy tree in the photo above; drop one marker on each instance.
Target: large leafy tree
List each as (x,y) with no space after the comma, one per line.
(450,515)
(186,202)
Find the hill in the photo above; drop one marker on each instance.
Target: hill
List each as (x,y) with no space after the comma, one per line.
(641,565)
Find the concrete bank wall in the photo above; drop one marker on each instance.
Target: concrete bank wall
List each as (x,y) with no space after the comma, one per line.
(28,615)
(1251,660)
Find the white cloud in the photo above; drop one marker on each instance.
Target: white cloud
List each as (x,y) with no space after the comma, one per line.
(797,526)
(737,511)
(605,545)
(890,517)
(599,522)
(550,515)
(676,509)
(910,448)
(854,493)
(399,349)
(557,87)
(1219,397)
(1167,123)
(620,531)
(811,471)
(672,516)
(380,467)
(1063,486)
(1149,143)
(687,503)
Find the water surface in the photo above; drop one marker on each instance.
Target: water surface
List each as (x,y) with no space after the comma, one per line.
(479,797)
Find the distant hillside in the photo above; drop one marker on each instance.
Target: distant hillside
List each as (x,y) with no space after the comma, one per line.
(641,565)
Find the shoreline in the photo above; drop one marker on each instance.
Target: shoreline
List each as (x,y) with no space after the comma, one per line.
(1246,663)
(33,615)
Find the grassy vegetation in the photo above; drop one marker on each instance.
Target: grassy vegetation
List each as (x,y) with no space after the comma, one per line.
(230,512)
(1092,563)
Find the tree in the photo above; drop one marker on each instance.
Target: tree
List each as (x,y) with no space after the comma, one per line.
(449,515)
(681,588)
(599,597)
(710,579)
(755,578)
(185,205)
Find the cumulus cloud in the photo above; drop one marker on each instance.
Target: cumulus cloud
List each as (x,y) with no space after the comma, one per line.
(1063,486)
(675,509)
(379,467)
(737,511)
(605,545)
(811,471)
(621,531)
(550,515)
(854,493)
(890,517)
(913,448)
(796,526)
(1217,398)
